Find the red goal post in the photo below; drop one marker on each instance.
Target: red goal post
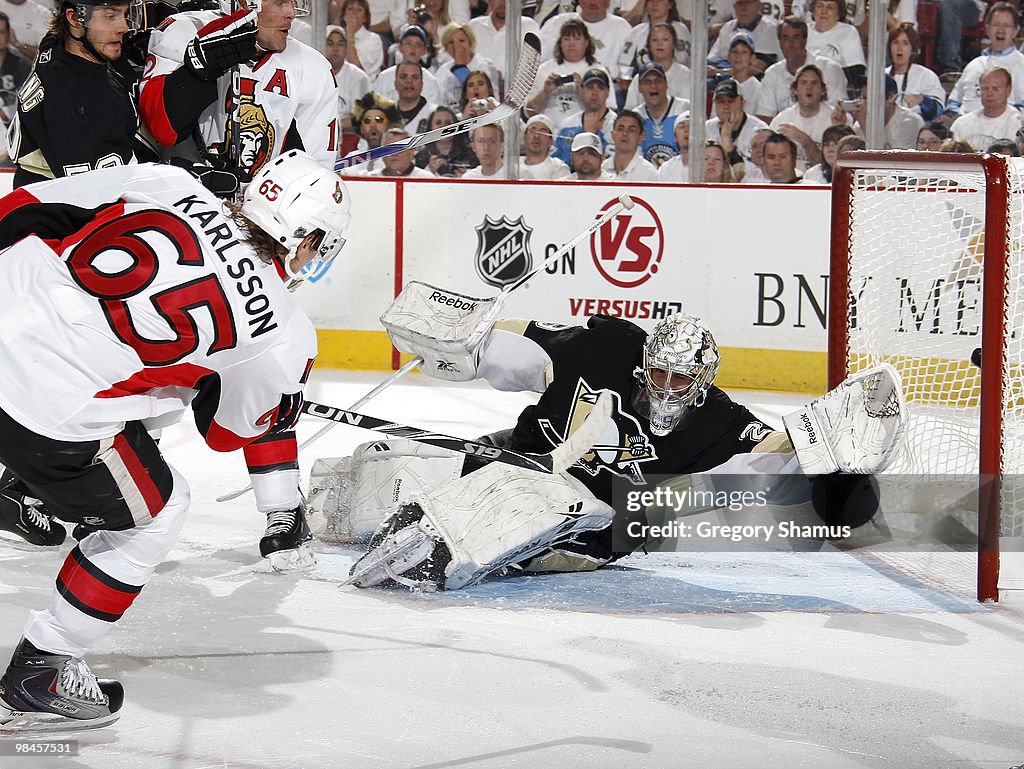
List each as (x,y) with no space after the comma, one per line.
(926,267)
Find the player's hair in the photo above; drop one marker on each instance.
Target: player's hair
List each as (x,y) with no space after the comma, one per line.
(575,27)
(1002,70)
(497,127)
(266,248)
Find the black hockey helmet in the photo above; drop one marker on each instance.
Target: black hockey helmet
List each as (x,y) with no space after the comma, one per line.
(136,16)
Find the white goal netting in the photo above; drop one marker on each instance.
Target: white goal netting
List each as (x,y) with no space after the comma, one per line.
(916,259)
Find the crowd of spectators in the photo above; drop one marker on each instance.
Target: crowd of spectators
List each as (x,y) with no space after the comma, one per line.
(619,72)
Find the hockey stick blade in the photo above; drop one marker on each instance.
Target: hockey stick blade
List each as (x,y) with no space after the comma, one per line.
(587,434)
(515,100)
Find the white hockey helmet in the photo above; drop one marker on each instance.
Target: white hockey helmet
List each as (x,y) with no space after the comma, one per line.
(680,363)
(230,6)
(293,196)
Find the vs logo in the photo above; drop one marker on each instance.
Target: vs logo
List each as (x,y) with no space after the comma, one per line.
(628,249)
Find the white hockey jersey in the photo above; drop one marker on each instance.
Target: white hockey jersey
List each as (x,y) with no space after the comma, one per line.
(288,99)
(127,294)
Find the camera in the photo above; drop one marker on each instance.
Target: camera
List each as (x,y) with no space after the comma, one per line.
(422,14)
(848,105)
(564,79)
(480,103)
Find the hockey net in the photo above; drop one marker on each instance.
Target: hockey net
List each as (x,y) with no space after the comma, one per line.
(927,253)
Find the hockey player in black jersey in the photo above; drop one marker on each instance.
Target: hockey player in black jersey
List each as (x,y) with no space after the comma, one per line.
(668,420)
(77,110)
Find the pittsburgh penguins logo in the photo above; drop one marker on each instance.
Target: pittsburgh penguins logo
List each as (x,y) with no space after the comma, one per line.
(621,447)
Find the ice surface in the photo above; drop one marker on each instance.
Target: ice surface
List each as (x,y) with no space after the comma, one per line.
(721,660)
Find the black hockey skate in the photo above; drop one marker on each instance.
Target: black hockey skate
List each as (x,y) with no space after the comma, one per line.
(24,519)
(54,692)
(406,551)
(287,542)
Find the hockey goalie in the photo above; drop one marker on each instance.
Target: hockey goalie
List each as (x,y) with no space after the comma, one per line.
(442,521)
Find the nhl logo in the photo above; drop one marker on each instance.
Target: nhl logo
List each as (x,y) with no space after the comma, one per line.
(503,251)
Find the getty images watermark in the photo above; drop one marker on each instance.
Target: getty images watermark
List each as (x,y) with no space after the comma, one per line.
(674,516)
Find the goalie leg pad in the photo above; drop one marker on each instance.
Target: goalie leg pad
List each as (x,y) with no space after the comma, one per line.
(856,428)
(350,498)
(403,551)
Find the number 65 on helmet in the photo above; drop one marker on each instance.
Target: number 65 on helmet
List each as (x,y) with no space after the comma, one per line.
(292,197)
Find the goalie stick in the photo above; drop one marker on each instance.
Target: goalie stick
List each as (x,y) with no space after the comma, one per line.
(515,100)
(558,460)
(327,428)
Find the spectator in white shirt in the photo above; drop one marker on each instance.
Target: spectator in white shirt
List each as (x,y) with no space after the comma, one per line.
(806,121)
(610,32)
(996,120)
(743,66)
(490,31)
(459,43)
(677,170)
(365,49)
(400,164)
(28,22)
(780,160)
(762,30)
(489,146)
(732,126)
(412,46)
(537,162)
(660,47)
(901,125)
(919,87)
(655,12)
(352,81)
(1002,27)
(775,93)
(822,172)
(627,162)
(830,36)
(555,91)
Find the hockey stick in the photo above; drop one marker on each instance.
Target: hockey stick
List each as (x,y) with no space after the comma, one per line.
(327,428)
(515,100)
(558,460)
(624,204)
(235,116)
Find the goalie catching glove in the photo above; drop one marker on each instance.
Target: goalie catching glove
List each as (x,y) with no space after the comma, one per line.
(856,428)
(222,44)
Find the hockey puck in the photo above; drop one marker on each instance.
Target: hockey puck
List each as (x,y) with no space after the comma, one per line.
(976,357)
(845,500)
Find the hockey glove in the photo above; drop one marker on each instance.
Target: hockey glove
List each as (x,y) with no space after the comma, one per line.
(287,412)
(222,182)
(222,44)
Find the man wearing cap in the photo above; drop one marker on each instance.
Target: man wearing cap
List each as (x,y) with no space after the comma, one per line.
(412,46)
(743,66)
(596,117)
(352,81)
(732,127)
(775,93)
(659,112)
(627,162)
(996,120)
(537,162)
(400,164)
(762,30)
(677,170)
(490,34)
(901,124)
(587,156)
(412,106)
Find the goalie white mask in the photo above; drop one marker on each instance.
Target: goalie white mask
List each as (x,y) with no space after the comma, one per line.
(680,363)
(290,198)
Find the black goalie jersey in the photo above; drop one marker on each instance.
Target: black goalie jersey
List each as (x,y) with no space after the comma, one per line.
(570,366)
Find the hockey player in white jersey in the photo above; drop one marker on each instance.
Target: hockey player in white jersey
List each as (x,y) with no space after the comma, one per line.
(127,295)
(288,97)
(288,100)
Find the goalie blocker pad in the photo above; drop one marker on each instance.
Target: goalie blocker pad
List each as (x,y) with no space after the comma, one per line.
(445,328)
(856,428)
